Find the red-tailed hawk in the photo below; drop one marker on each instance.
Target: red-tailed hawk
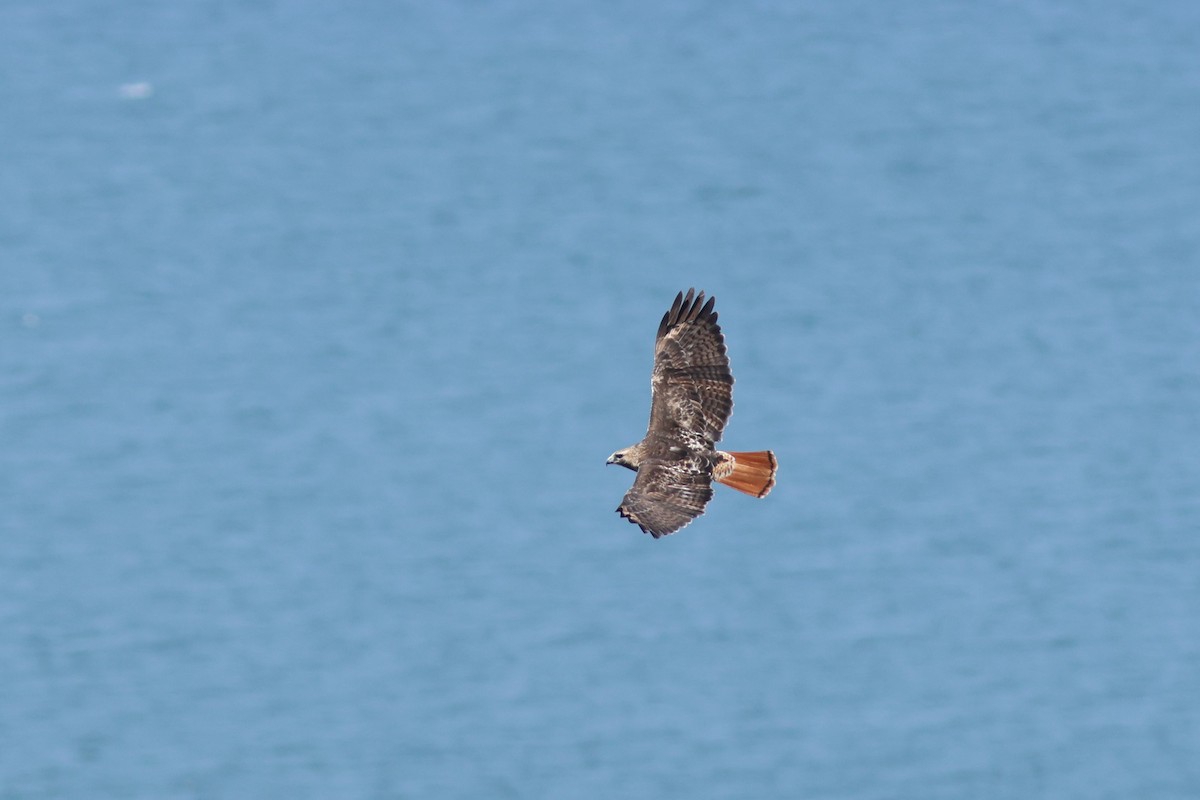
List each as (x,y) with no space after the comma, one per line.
(692,397)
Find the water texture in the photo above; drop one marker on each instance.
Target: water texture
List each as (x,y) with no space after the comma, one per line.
(318,321)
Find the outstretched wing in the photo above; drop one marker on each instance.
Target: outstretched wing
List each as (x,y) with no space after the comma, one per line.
(666,495)
(692,385)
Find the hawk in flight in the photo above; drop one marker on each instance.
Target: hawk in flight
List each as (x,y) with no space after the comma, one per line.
(692,397)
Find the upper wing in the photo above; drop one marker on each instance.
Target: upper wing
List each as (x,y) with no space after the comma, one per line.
(692,385)
(666,495)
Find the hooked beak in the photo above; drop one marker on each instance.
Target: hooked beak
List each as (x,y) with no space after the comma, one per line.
(611,460)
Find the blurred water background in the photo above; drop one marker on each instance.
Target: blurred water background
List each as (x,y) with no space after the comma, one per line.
(318,321)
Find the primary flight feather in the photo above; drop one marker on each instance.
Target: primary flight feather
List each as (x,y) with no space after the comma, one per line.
(692,398)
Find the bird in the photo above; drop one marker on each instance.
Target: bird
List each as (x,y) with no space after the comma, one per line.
(691,400)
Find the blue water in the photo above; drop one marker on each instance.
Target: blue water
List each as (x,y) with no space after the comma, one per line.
(318,321)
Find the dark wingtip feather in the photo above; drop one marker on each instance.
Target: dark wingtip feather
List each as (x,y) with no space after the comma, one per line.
(672,316)
(678,304)
(687,308)
(621,510)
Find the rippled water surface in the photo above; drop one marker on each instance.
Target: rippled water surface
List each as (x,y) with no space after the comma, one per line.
(318,321)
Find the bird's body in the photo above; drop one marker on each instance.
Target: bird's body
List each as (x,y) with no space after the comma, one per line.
(692,398)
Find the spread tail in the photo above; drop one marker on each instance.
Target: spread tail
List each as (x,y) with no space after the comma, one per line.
(752,473)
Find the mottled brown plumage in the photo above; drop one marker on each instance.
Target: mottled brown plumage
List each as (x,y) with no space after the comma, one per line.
(692,398)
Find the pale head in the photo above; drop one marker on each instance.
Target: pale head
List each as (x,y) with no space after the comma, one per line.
(625,458)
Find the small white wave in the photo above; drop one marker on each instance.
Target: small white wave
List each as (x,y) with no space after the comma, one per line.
(138,90)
